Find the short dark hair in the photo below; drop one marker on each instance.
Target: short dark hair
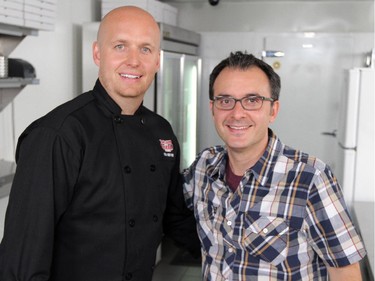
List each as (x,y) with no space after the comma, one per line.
(243,61)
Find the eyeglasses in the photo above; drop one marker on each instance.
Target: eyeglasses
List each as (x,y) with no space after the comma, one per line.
(251,102)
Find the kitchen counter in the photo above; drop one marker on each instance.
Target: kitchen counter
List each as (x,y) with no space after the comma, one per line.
(363,216)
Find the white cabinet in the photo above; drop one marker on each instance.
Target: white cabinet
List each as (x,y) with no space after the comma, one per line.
(38,14)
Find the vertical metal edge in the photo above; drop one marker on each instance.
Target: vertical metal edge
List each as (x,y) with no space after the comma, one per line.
(159,85)
(199,93)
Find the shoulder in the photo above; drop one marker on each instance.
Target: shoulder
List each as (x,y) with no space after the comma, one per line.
(285,158)
(303,159)
(312,173)
(52,123)
(56,117)
(212,152)
(209,157)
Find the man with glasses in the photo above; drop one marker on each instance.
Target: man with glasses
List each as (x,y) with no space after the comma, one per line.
(265,211)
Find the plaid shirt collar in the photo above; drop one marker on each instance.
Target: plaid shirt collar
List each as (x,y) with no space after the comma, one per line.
(261,170)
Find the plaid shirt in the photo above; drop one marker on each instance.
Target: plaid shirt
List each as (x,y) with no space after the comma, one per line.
(287,219)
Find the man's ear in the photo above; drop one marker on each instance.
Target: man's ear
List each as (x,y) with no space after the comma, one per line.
(274,111)
(96,53)
(212,107)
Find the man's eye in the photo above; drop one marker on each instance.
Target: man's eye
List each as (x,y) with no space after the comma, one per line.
(225,101)
(146,50)
(252,100)
(119,47)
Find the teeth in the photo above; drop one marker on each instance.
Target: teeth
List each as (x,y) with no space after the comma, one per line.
(238,128)
(130,76)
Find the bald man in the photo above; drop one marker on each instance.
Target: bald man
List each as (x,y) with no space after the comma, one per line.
(97,181)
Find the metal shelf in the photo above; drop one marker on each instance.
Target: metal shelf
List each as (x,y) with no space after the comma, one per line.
(16,30)
(16,82)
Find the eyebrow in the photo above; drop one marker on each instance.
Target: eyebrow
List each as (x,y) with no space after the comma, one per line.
(245,96)
(143,44)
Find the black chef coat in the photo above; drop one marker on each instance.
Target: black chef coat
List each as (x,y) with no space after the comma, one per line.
(89,194)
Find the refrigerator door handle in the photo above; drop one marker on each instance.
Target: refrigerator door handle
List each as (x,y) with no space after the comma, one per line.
(331,134)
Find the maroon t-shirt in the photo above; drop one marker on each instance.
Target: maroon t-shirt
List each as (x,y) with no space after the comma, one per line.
(232,180)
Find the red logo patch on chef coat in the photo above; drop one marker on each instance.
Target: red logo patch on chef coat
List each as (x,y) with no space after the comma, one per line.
(166,145)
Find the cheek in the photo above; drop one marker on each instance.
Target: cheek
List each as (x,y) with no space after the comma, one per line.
(219,119)
(155,66)
(150,61)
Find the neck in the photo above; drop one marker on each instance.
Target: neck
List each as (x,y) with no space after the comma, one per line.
(240,161)
(128,105)
(129,109)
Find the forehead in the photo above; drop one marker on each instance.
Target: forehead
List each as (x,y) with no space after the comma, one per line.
(125,25)
(240,82)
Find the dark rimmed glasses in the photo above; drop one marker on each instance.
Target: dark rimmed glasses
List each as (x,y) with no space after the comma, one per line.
(250,102)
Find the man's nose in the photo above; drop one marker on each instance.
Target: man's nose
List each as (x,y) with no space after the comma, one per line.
(132,57)
(238,109)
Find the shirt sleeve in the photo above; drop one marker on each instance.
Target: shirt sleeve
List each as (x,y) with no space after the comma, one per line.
(329,226)
(43,183)
(188,183)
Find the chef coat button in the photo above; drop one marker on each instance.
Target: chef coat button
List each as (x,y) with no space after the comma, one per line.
(131,222)
(143,121)
(127,169)
(117,119)
(128,276)
(152,168)
(155,218)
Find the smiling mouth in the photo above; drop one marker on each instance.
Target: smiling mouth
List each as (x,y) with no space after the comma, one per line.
(238,127)
(130,76)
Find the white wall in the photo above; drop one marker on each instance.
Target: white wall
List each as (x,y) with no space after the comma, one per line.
(277,16)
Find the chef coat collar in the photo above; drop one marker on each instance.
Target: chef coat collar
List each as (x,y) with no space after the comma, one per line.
(101,94)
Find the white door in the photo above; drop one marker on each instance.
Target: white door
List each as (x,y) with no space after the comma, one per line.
(312,80)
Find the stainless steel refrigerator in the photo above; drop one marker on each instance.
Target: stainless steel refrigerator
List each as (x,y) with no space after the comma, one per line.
(174,92)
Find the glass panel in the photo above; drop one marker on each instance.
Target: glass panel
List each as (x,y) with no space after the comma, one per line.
(178,82)
(167,93)
(188,138)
